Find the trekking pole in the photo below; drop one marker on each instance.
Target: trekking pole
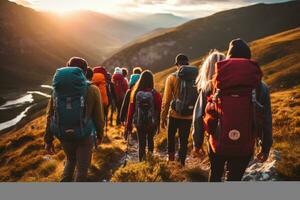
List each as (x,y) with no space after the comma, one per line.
(126,153)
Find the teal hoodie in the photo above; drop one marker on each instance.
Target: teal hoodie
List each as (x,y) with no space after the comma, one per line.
(133,79)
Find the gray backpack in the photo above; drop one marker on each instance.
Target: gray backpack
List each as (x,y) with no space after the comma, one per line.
(188,94)
(145,115)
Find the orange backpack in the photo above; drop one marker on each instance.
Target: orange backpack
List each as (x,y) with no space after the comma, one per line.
(100,82)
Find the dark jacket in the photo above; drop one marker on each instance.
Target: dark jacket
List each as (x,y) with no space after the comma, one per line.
(264,99)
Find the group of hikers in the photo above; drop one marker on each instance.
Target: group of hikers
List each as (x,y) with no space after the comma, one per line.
(224,101)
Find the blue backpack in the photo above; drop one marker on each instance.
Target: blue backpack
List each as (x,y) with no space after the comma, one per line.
(69,120)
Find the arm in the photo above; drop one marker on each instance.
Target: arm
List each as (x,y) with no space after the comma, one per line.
(197,125)
(48,137)
(125,84)
(130,116)
(97,112)
(158,103)
(124,107)
(267,138)
(167,98)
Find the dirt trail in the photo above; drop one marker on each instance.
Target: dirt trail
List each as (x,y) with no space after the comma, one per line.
(255,171)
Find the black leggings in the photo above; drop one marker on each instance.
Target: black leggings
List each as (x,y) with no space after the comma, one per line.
(118,120)
(183,126)
(236,166)
(145,136)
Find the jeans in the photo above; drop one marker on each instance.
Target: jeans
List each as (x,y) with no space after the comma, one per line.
(183,126)
(236,166)
(78,154)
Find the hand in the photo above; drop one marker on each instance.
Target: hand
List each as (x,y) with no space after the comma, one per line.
(198,152)
(50,148)
(262,157)
(164,123)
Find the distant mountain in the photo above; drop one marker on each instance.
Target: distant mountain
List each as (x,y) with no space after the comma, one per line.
(197,37)
(160,20)
(34,43)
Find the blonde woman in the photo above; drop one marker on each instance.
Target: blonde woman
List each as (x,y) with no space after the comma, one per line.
(204,85)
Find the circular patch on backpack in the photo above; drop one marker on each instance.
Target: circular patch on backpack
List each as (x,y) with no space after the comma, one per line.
(234,135)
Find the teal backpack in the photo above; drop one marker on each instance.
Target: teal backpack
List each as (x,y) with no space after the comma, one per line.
(69,120)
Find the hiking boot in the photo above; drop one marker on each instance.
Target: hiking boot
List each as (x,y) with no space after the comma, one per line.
(171,156)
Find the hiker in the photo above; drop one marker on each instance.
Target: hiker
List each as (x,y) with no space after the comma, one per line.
(111,97)
(234,108)
(144,112)
(179,99)
(136,73)
(125,73)
(74,113)
(99,79)
(89,74)
(121,86)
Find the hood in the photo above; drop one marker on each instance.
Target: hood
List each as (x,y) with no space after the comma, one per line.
(117,76)
(133,79)
(98,78)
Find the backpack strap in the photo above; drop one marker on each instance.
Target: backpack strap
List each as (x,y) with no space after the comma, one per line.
(256,94)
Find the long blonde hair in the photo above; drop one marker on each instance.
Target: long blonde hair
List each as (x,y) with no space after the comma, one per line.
(207,70)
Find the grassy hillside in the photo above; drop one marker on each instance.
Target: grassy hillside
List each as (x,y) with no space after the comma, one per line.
(277,54)
(198,36)
(22,157)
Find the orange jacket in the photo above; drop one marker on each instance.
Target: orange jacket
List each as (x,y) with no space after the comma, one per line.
(100,82)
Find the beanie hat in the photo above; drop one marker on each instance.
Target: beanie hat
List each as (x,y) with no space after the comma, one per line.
(238,48)
(118,70)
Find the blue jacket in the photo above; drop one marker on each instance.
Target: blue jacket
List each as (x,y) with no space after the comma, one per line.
(199,111)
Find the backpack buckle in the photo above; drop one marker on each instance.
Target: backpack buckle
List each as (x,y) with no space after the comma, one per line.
(254,96)
(81,101)
(70,131)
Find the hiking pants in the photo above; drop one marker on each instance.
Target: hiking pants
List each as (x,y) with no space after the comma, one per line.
(112,109)
(236,166)
(183,126)
(145,137)
(78,154)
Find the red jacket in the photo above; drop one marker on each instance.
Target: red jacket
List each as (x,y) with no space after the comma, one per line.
(120,85)
(157,106)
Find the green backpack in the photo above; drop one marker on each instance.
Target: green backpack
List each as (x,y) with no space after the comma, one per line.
(70,120)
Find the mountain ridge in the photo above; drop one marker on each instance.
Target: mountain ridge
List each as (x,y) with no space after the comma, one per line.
(198,36)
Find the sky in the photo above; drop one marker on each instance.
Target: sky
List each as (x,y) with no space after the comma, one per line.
(184,8)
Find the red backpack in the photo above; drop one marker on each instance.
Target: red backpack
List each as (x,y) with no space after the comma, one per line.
(232,111)
(120,86)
